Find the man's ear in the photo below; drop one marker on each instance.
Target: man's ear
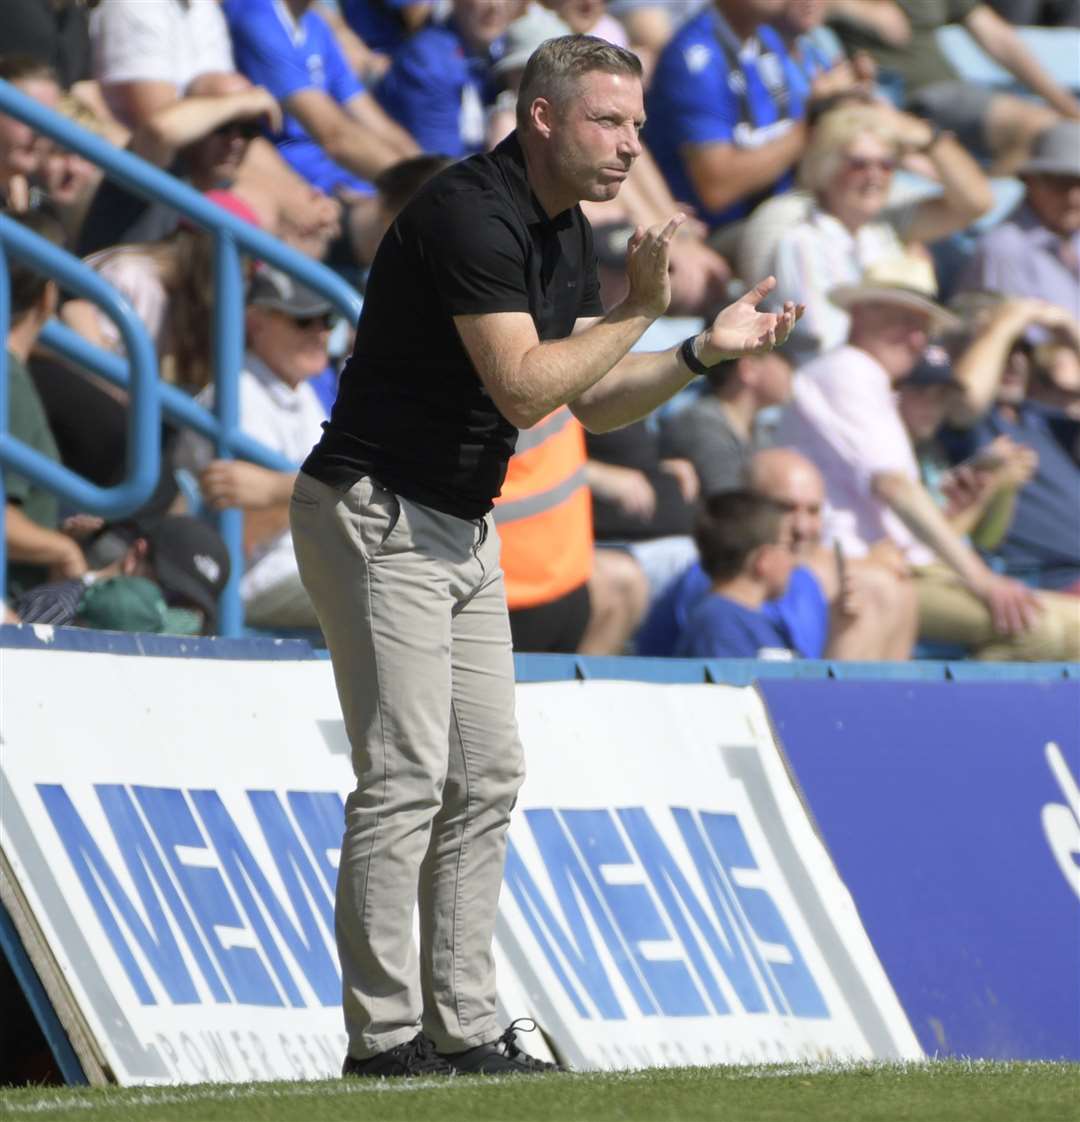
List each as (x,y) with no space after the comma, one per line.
(136,559)
(542,115)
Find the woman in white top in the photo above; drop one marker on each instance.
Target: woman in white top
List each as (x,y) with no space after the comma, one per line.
(839,223)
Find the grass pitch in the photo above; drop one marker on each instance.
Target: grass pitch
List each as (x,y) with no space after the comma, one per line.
(938,1091)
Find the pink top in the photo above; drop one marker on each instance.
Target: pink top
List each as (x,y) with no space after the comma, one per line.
(844,418)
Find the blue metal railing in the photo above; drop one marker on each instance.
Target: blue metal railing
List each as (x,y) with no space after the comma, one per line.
(232,236)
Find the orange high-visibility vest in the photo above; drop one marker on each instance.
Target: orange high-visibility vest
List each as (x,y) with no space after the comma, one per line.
(544,513)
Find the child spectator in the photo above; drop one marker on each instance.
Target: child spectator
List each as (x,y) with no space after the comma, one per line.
(740,538)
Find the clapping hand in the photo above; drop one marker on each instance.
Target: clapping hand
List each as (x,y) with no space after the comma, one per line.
(740,329)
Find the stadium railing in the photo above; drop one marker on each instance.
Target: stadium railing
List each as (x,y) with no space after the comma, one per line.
(151,398)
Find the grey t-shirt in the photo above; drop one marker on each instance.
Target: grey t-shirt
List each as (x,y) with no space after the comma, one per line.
(702,434)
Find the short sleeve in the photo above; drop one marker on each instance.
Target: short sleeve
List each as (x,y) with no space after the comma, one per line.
(131,42)
(473,255)
(341,83)
(702,108)
(267,55)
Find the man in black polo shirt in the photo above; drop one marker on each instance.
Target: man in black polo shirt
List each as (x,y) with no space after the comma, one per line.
(482,316)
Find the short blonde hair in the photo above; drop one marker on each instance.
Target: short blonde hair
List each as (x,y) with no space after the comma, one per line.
(831,136)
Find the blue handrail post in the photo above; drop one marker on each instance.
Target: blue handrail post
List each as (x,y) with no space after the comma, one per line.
(228,361)
(5,394)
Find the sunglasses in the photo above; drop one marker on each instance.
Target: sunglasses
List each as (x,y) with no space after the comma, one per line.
(324,321)
(247,130)
(863,163)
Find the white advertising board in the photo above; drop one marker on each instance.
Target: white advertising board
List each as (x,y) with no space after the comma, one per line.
(171,827)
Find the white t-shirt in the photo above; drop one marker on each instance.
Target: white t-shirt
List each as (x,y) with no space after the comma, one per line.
(158,41)
(286,420)
(843,417)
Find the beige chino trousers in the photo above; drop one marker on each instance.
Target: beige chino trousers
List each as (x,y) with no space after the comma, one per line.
(412,605)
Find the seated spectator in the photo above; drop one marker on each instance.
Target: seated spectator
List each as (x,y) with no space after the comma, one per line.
(563,595)
(1042,544)
(834,607)
(808,64)
(146,56)
(1055,377)
(288,327)
(23,153)
(440,86)
(335,134)
(642,503)
(37,550)
(844,223)
(748,561)
(157,575)
(1036,250)
(170,284)
(978,495)
(722,123)
(716,433)
(385,25)
(901,36)
(844,417)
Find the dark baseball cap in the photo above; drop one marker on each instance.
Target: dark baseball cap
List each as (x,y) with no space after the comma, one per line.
(271,288)
(189,559)
(934,368)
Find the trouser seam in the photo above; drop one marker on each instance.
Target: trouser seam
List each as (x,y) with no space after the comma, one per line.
(460,862)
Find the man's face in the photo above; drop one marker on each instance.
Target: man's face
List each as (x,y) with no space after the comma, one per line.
(923,409)
(216,158)
(1055,199)
(759,11)
(293,347)
(800,491)
(594,137)
(895,335)
(22,150)
(481,22)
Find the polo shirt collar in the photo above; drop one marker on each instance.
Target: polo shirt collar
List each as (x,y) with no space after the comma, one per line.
(282,394)
(511,159)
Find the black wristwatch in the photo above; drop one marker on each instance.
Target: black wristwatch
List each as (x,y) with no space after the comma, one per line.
(693,363)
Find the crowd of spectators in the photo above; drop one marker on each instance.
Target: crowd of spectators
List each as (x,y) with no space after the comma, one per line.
(904,476)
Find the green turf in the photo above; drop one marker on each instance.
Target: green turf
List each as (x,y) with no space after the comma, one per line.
(942,1091)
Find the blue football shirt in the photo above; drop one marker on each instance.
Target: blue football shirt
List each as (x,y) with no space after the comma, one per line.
(721,628)
(286,56)
(438,90)
(709,89)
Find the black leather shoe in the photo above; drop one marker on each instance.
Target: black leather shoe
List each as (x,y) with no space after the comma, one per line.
(500,1057)
(414,1057)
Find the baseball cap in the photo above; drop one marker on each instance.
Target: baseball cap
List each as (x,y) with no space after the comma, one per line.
(934,368)
(189,559)
(271,288)
(134,604)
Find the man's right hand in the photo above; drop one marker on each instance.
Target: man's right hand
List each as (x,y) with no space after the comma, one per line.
(1013,606)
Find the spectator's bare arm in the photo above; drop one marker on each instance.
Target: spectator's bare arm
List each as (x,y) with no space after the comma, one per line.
(723,174)
(999,39)
(370,65)
(1013,607)
(29,543)
(370,115)
(183,122)
(344,139)
(883,18)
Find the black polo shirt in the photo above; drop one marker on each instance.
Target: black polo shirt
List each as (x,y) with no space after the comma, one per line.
(411,410)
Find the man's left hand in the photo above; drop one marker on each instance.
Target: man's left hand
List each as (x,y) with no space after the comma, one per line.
(740,329)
